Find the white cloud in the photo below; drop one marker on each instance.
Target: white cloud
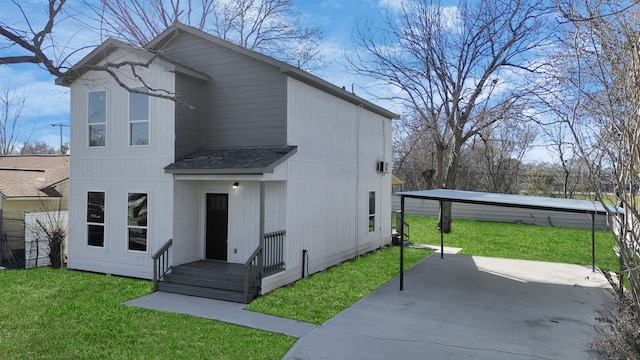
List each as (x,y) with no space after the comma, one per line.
(395,5)
(538,154)
(42,97)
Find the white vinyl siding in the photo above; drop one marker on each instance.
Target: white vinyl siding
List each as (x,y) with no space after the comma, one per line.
(119,169)
(329,180)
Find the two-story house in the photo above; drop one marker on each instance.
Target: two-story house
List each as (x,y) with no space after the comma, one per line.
(258,170)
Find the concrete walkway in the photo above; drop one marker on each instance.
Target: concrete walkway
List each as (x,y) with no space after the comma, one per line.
(229,312)
(452,308)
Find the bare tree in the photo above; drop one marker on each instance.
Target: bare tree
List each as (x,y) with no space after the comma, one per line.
(413,153)
(273,27)
(28,42)
(37,148)
(48,231)
(499,151)
(33,42)
(542,179)
(11,136)
(560,143)
(453,65)
(598,98)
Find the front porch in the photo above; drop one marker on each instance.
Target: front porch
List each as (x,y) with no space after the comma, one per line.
(221,280)
(211,279)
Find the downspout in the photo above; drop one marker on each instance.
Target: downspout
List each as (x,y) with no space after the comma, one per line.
(384,159)
(357,227)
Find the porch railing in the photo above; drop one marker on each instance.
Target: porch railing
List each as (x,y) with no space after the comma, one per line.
(264,261)
(274,252)
(253,273)
(405,233)
(161,263)
(406,227)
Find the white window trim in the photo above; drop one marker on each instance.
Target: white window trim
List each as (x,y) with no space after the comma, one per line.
(105,123)
(375,208)
(126,221)
(103,224)
(148,120)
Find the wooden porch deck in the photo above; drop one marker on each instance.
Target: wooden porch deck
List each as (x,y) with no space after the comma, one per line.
(216,266)
(208,278)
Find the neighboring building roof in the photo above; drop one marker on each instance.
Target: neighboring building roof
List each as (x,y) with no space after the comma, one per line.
(32,175)
(150,51)
(232,161)
(396,180)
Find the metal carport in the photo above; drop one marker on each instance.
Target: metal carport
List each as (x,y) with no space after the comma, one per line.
(590,207)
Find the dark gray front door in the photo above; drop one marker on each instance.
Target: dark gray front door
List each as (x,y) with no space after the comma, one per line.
(217,223)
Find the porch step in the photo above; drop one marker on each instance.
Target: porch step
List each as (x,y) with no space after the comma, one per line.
(209,279)
(199,291)
(222,274)
(215,282)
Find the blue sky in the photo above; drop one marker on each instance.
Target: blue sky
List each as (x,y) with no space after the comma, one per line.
(48,104)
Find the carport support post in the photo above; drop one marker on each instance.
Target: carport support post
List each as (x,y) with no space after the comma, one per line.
(593,242)
(401,231)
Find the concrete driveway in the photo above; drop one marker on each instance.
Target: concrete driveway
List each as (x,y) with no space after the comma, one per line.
(463,307)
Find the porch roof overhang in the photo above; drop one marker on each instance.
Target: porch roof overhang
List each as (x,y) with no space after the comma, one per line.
(232,161)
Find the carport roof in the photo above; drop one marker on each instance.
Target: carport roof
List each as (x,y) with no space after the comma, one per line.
(508,200)
(521,201)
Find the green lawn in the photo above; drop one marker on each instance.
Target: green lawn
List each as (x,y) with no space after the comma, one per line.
(63,314)
(519,241)
(319,297)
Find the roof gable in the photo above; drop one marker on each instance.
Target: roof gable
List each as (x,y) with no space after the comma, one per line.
(169,34)
(151,51)
(100,53)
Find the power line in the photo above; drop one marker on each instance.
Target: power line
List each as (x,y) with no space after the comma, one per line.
(60,126)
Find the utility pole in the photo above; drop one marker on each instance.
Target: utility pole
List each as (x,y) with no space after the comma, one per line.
(60,126)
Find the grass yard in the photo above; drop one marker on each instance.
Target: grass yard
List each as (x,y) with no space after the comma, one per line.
(319,297)
(64,314)
(519,241)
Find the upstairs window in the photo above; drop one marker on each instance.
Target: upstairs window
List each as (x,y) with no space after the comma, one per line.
(137,221)
(95,218)
(97,118)
(138,118)
(372,211)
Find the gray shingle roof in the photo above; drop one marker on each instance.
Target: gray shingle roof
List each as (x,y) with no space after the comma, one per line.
(231,161)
